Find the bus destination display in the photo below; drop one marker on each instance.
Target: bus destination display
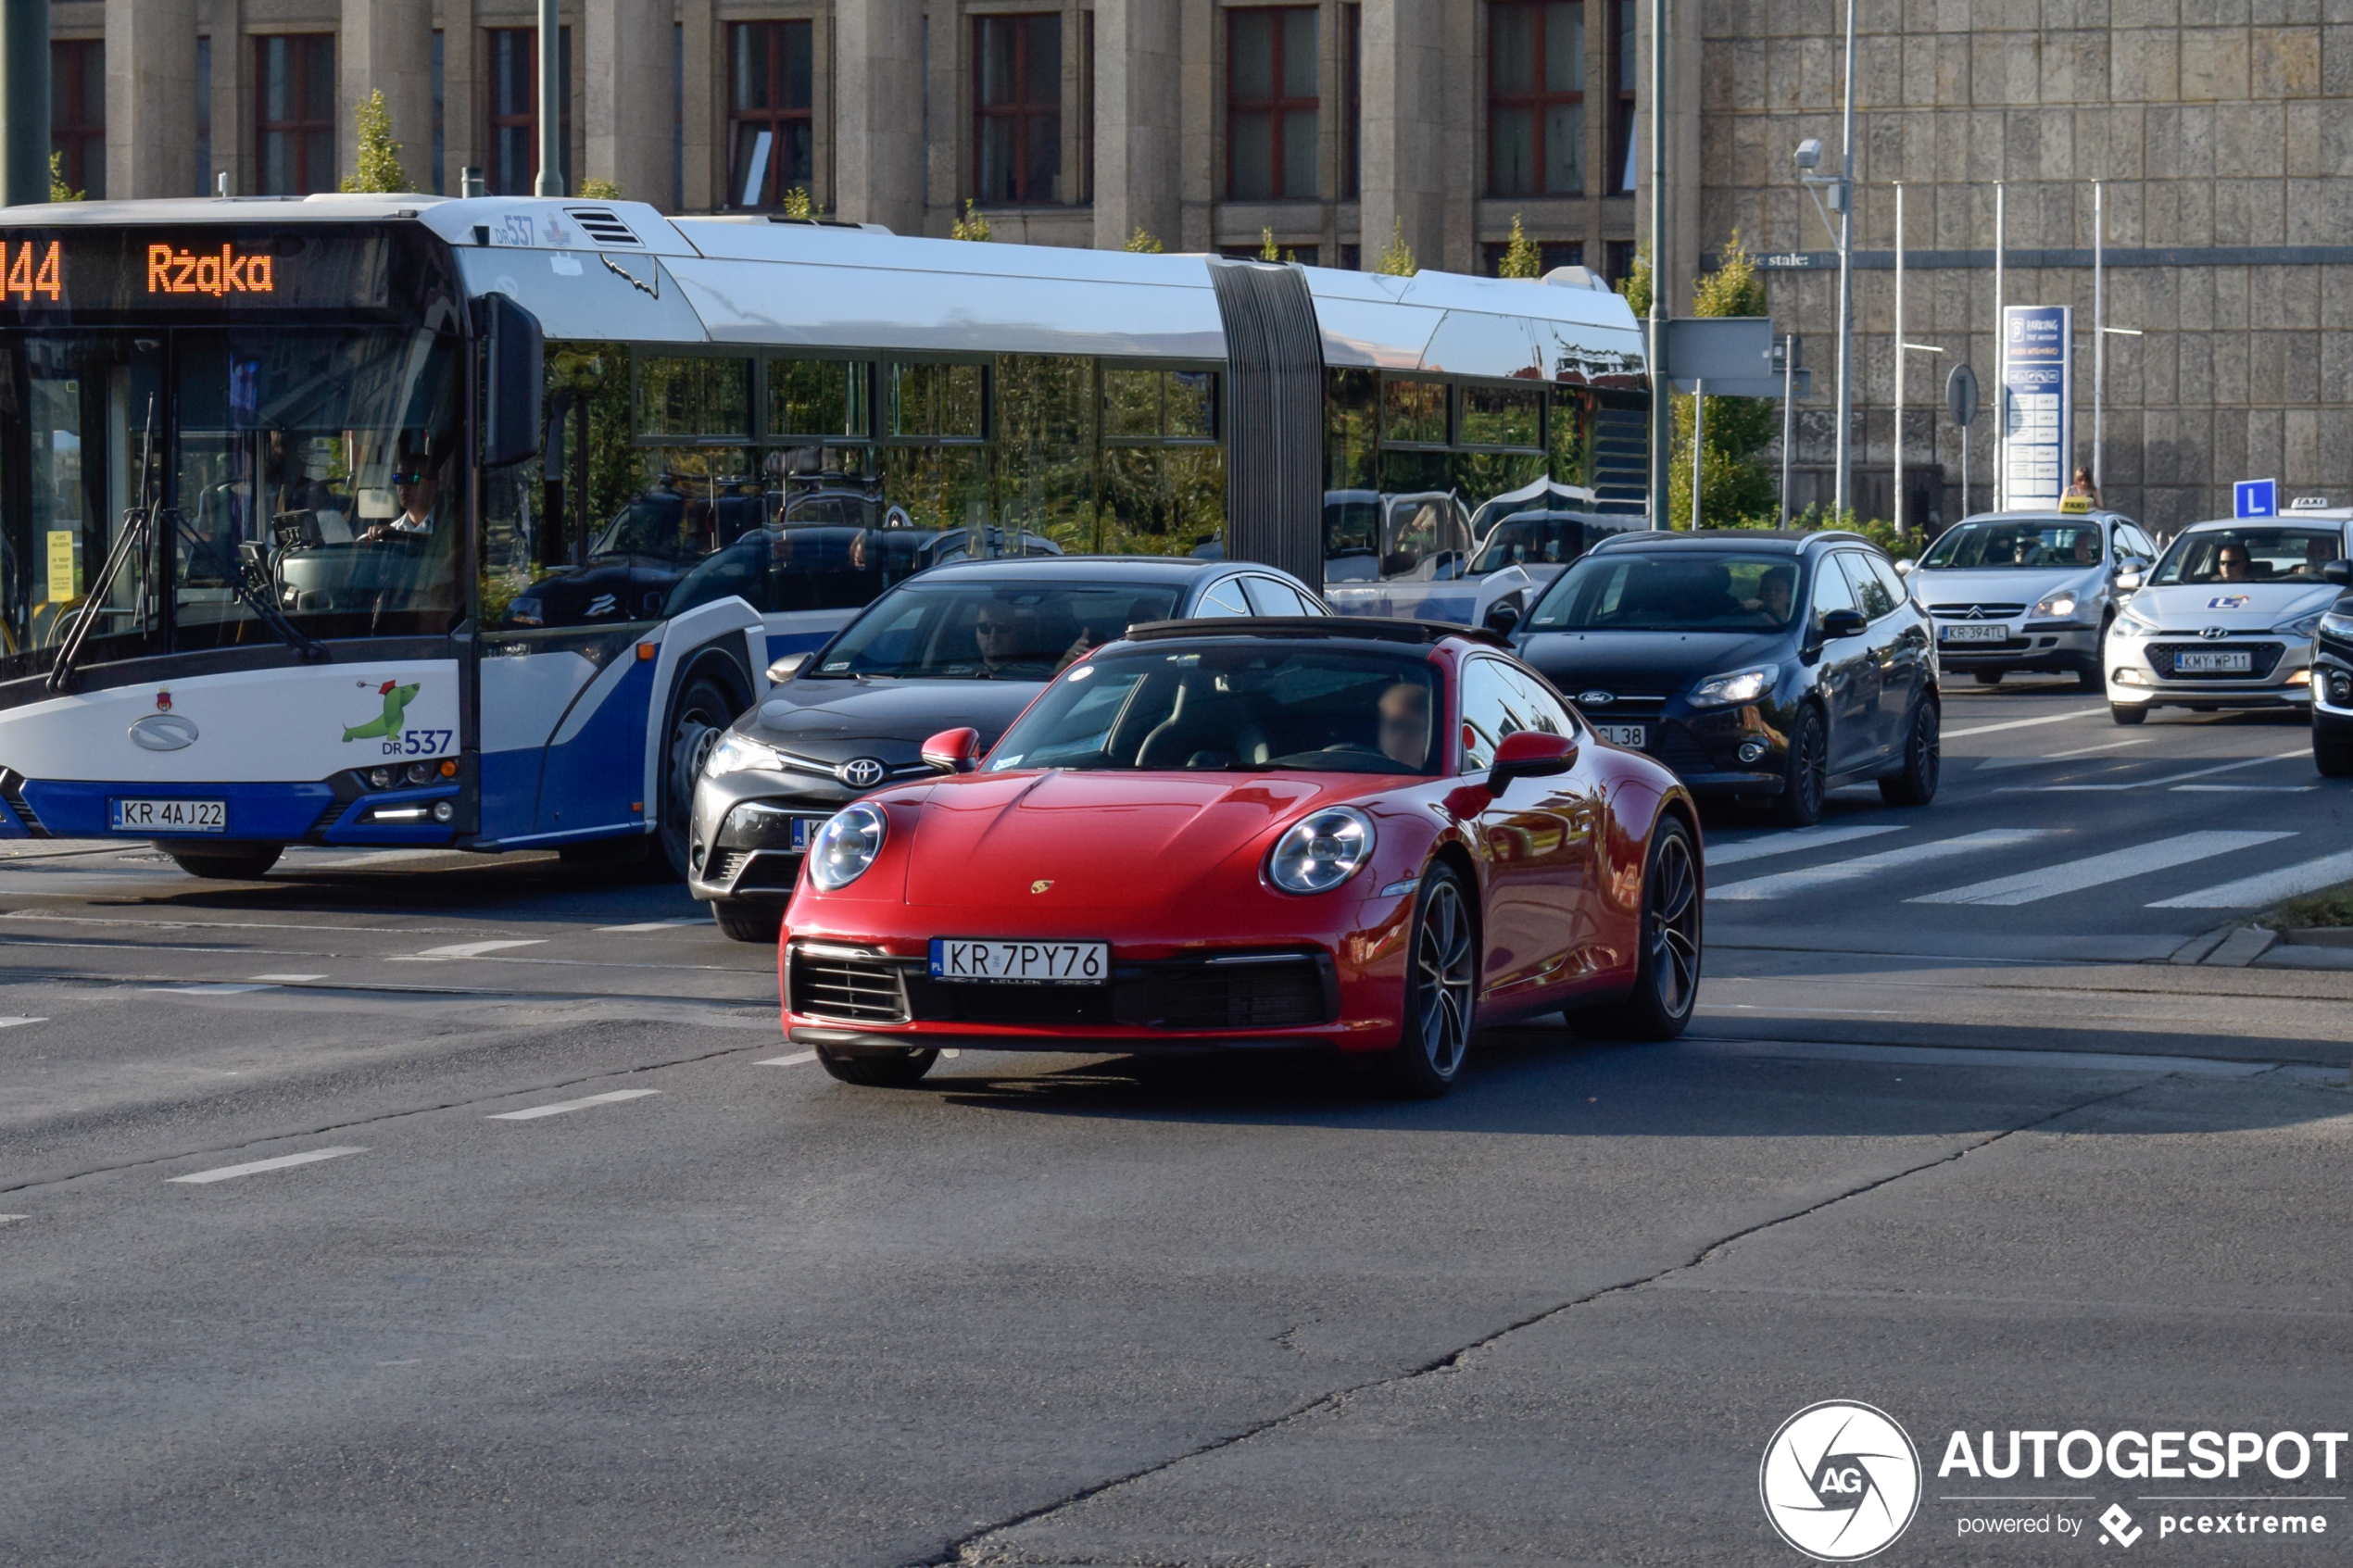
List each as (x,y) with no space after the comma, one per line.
(141,271)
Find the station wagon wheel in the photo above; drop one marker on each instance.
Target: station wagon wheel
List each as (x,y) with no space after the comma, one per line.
(1441,984)
(1808,783)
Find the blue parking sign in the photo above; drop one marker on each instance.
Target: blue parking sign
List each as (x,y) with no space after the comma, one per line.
(2255,497)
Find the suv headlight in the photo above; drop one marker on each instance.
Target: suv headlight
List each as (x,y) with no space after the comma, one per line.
(1321,850)
(2056,607)
(1739,685)
(735,753)
(846,845)
(2302,627)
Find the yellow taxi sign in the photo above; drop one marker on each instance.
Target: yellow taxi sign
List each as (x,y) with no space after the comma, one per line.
(2074,504)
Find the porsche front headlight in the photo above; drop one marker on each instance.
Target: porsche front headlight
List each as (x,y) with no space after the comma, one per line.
(846,845)
(736,753)
(1321,850)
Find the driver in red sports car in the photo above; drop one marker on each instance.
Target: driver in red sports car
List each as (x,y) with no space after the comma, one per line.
(1371,836)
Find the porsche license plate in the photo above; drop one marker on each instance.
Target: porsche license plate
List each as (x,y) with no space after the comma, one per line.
(1635,735)
(2220,661)
(1020,963)
(169,816)
(1975,631)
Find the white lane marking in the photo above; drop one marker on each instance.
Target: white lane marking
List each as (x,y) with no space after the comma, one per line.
(5,1218)
(1965,1056)
(381,857)
(289,979)
(211,990)
(470,949)
(2023,723)
(2000,762)
(653,925)
(2265,887)
(1782,884)
(2094,870)
(12,1022)
(562,1106)
(280,1163)
(2243,789)
(1790,843)
(793,1061)
(1801,1012)
(2153,784)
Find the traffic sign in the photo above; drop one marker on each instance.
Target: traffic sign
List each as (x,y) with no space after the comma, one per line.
(2255,497)
(1960,395)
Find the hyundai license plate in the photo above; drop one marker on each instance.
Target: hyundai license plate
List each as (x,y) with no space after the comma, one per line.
(1975,631)
(1020,963)
(169,816)
(1634,735)
(2221,661)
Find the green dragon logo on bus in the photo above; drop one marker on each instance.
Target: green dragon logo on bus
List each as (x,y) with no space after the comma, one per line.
(387,723)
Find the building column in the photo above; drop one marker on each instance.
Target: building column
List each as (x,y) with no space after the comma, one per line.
(1405,82)
(388,45)
(629,98)
(1137,74)
(151,98)
(878,156)
(702,117)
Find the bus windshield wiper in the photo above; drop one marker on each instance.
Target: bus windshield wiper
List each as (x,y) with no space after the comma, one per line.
(138,524)
(233,572)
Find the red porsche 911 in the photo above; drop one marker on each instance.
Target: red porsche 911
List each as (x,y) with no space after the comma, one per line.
(1371,836)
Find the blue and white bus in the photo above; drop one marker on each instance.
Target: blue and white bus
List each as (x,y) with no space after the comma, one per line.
(471,523)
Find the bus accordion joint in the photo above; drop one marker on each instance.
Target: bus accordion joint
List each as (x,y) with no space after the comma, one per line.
(182,271)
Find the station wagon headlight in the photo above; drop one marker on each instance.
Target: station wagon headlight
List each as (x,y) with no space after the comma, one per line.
(2058,607)
(1321,850)
(736,753)
(846,845)
(2302,626)
(1739,685)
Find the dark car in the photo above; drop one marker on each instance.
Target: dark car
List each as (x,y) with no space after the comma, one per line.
(1771,667)
(2332,679)
(965,644)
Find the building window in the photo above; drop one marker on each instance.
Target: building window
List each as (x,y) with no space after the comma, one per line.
(1017,107)
(1351,102)
(513,118)
(1552,254)
(769,105)
(78,113)
(1536,99)
(1621,261)
(1270,103)
(294,118)
(1624,64)
(1084,194)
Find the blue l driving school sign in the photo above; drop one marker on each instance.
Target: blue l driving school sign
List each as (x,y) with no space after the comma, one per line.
(2255,497)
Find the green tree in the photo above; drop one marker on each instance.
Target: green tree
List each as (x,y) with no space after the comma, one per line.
(597,188)
(1397,260)
(1521,259)
(972,225)
(799,203)
(377,168)
(59,190)
(1733,488)
(1143,242)
(1636,285)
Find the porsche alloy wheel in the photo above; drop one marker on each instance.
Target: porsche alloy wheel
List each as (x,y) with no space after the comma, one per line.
(1666,969)
(1441,983)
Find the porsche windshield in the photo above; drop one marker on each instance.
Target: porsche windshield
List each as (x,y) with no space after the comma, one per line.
(1682,591)
(2031,542)
(2250,555)
(1287,707)
(990,630)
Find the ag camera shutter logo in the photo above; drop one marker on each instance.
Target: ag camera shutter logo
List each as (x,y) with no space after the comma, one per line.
(1840,1481)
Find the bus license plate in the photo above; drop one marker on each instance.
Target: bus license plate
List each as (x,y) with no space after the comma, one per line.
(1031,963)
(1986,631)
(1633,735)
(171,816)
(2225,661)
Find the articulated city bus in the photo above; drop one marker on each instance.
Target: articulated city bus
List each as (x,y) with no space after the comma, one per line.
(394,521)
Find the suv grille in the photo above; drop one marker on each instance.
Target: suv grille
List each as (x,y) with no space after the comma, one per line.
(2262,659)
(837,983)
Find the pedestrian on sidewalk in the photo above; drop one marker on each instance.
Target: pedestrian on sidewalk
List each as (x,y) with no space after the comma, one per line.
(2085,487)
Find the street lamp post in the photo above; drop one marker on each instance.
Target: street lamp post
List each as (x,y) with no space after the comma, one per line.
(1903,348)
(551,181)
(1661,405)
(1808,158)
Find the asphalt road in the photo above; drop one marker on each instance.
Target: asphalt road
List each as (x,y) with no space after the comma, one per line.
(1954,1136)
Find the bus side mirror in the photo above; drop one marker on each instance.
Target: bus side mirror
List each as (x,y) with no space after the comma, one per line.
(513,379)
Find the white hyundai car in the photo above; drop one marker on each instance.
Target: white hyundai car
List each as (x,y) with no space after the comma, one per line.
(2226,617)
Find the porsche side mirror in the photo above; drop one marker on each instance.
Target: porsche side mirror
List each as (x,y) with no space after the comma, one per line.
(1529,754)
(1845,623)
(1503,617)
(2129,580)
(2339,572)
(953,751)
(785,669)
(1903,568)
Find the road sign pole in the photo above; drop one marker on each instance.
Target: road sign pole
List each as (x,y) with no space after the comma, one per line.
(1699,421)
(1899,358)
(551,181)
(1662,402)
(2099,341)
(2001,398)
(1845,481)
(1789,403)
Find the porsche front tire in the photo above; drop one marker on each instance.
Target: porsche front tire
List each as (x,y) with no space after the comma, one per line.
(878,1069)
(1441,991)
(1668,963)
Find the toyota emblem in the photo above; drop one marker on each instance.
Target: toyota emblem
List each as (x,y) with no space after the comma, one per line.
(2214,634)
(861,773)
(1595,699)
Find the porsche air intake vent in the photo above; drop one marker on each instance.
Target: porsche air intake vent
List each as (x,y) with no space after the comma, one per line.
(839,982)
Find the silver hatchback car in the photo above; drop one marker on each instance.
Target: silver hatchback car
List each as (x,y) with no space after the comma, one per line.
(2026,591)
